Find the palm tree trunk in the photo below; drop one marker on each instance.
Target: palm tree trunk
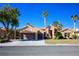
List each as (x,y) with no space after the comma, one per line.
(15,33)
(74,27)
(7,35)
(44,26)
(45,22)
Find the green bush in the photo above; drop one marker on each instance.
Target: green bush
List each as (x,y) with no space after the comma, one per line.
(58,35)
(74,36)
(47,37)
(1,40)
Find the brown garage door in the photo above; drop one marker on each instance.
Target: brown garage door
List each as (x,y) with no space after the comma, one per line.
(29,36)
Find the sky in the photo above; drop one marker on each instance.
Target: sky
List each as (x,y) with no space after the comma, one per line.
(31,13)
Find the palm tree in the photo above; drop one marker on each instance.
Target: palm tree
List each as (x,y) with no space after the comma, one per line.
(44,14)
(8,18)
(74,18)
(58,25)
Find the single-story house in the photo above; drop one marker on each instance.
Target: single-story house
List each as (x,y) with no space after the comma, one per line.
(30,32)
(68,32)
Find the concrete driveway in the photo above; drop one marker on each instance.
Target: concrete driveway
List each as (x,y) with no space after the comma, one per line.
(24,43)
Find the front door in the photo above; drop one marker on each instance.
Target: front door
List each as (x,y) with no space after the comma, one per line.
(24,36)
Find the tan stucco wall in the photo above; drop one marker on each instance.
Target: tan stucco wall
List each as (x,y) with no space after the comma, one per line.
(29,29)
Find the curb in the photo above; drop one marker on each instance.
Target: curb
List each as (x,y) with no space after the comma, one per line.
(46,45)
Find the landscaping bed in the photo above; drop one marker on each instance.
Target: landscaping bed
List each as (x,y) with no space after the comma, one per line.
(4,41)
(62,41)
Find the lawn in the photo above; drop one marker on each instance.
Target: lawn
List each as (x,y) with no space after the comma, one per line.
(63,41)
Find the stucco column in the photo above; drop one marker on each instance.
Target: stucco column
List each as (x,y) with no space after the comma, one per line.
(53,33)
(43,35)
(19,35)
(36,34)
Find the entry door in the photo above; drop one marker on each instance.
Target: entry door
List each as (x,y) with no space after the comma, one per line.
(24,36)
(40,36)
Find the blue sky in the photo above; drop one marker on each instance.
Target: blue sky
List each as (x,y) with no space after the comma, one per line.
(31,13)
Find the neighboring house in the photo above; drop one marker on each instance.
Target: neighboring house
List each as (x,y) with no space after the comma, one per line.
(77,33)
(68,32)
(2,32)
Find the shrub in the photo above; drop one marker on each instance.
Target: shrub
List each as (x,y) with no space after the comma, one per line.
(74,36)
(47,37)
(58,35)
(1,39)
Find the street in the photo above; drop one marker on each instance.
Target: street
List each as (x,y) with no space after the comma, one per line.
(39,51)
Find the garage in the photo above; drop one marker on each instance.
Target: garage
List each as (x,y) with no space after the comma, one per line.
(28,36)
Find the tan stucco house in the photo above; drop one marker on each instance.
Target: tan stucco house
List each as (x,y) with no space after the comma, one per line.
(30,32)
(68,32)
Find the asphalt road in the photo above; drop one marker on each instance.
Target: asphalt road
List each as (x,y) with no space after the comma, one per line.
(39,51)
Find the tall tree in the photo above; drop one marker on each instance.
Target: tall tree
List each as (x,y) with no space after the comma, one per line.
(44,14)
(8,18)
(74,18)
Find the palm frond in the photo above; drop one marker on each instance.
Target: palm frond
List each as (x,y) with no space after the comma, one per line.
(44,13)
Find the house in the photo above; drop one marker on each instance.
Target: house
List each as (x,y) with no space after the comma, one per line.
(68,32)
(2,32)
(11,36)
(29,32)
